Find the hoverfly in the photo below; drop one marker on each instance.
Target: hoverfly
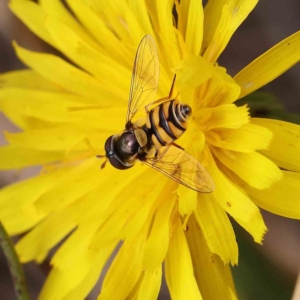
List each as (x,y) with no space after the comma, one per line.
(153,142)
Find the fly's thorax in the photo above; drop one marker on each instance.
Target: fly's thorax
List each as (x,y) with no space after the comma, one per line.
(141,137)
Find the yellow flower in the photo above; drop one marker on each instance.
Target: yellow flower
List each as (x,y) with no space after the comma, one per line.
(253,162)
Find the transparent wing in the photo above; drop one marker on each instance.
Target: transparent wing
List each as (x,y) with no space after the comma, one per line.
(183,168)
(144,79)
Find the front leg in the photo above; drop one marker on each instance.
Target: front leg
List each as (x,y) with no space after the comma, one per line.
(159,155)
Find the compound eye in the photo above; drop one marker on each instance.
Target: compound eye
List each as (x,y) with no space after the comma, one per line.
(128,144)
(108,145)
(117,164)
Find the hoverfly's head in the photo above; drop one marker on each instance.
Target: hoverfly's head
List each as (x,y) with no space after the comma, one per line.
(119,149)
(128,144)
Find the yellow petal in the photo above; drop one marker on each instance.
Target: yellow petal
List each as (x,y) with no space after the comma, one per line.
(101,206)
(194,28)
(27,107)
(247,138)
(80,180)
(62,283)
(208,267)
(158,239)
(97,27)
(33,16)
(134,28)
(87,118)
(226,116)
(82,290)
(125,269)
(125,220)
(236,203)
(55,139)
(140,8)
(12,157)
(254,168)
(179,267)
(78,243)
(217,229)
(37,243)
(284,148)
(59,10)
(193,140)
(136,218)
(22,215)
(23,106)
(19,220)
(220,89)
(282,198)
(233,14)
(269,65)
(148,285)
(42,96)
(62,73)
(187,200)
(88,58)
(212,15)
(113,15)
(81,239)
(162,20)
(27,79)
(182,9)
(188,74)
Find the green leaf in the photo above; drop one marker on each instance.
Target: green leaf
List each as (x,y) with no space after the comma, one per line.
(14,265)
(266,105)
(256,277)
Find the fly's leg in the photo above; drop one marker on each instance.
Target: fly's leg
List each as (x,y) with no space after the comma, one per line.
(164,99)
(88,143)
(177,146)
(158,156)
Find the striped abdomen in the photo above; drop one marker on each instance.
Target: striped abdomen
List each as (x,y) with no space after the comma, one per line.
(167,122)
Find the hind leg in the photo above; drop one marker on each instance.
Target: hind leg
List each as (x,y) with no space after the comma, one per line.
(164,99)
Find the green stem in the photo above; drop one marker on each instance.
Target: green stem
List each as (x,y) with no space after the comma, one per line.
(14,265)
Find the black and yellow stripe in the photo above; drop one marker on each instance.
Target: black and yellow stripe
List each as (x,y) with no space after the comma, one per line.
(167,122)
